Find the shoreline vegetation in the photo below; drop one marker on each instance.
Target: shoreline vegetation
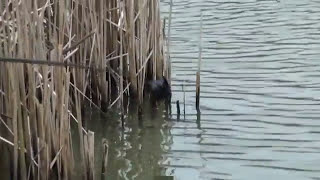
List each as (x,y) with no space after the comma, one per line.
(56,56)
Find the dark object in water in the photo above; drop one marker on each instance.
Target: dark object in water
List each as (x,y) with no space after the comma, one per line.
(160,90)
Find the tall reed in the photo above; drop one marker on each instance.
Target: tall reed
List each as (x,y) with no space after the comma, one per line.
(199,68)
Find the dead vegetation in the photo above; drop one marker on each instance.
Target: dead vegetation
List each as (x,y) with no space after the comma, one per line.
(73,52)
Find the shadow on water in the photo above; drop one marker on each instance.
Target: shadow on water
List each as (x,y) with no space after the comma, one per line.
(135,151)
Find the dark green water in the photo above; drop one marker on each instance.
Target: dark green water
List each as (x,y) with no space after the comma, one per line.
(136,151)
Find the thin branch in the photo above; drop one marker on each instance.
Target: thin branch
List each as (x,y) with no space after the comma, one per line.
(10,143)
(55,158)
(86,97)
(127,87)
(2,93)
(79,42)
(75,119)
(1,120)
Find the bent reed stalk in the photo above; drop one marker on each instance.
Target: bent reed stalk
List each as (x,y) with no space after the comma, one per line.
(38,101)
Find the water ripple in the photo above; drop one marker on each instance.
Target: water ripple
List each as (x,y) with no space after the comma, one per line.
(259,89)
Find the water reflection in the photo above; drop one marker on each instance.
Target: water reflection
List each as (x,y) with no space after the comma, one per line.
(135,151)
(198,119)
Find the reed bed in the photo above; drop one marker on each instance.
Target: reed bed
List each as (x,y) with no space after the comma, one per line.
(71,52)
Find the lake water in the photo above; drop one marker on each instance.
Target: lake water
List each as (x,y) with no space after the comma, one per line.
(260,97)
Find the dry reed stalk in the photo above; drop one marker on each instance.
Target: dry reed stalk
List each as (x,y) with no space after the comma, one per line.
(184,100)
(121,72)
(132,45)
(199,68)
(89,151)
(105,154)
(13,96)
(167,43)
(82,150)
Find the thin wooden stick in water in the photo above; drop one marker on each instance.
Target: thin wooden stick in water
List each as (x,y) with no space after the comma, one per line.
(184,101)
(105,155)
(178,108)
(199,64)
(168,42)
(90,154)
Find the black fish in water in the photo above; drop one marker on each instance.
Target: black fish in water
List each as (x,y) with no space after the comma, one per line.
(160,90)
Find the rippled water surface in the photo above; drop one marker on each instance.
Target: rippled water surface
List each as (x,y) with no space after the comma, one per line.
(260,105)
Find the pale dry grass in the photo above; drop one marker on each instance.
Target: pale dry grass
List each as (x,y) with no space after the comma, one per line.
(86,51)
